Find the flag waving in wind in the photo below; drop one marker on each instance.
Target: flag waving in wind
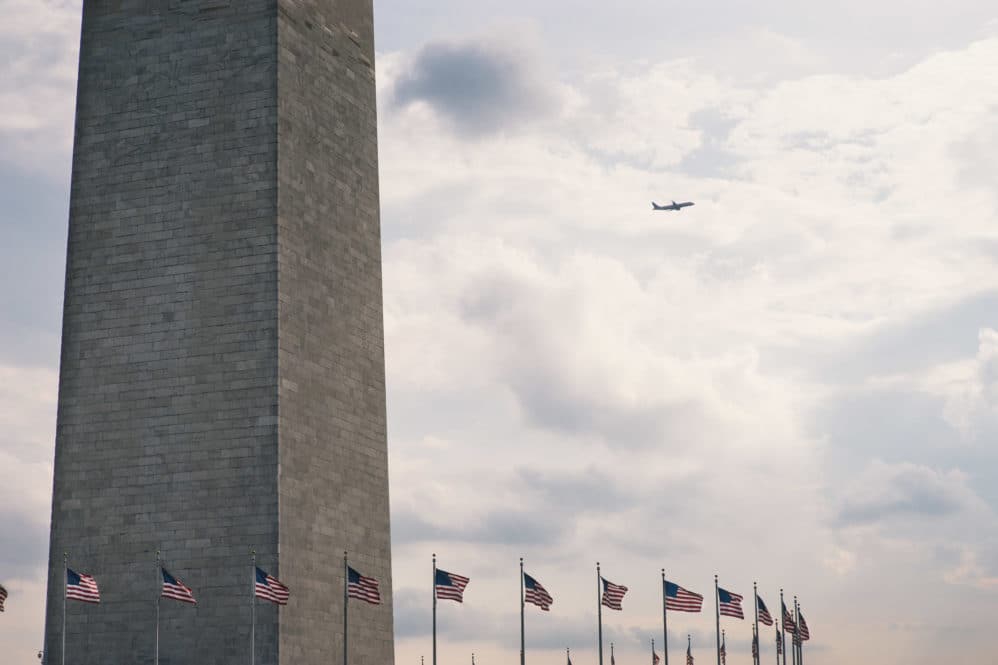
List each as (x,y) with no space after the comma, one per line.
(779,643)
(765,618)
(788,621)
(449,586)
(679,599)
(535,594)
(805,634)
(270,588)
(81,587)
(613,594)
(3,596)
(175,589)
(729,604)
(363,588)
(689,653)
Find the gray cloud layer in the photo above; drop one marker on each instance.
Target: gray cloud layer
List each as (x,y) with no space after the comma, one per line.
(478,87)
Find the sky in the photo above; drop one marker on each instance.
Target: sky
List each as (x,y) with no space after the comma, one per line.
(794,382)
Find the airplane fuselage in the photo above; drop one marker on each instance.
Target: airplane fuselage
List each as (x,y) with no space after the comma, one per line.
(672,206)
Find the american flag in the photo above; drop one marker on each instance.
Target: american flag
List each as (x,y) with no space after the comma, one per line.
(689,654)
(730,604)
(788,620)
(568,657)
(175,589)
(534,593)
(271,588)
(805,634)
(612,594)
(655,660)
(363,588)
(3,596)
(764,616)
(755,646)
(723,653)
(679,599)
(779,643)
(81,587)
(450,586)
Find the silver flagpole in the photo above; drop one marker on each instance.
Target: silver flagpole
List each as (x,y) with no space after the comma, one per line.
(523,642)
(758,647)
(783,624)
(717,617)
(599,611)
(346,582)
(800,642)
(434,588)
(159,592)
(65,600)
(665,624)
(253,611)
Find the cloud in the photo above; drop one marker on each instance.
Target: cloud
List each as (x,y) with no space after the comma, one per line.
(884,492)
(479,87)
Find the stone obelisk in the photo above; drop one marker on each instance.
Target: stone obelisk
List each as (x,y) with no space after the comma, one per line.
(222,387)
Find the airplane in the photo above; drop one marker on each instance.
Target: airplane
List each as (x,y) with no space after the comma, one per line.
(673,206)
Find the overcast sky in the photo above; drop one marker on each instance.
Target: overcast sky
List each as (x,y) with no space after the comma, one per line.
(795,381)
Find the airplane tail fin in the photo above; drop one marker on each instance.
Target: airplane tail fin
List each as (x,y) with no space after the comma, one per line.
(655,206)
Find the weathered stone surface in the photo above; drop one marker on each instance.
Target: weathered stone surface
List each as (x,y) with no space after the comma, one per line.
(222,382)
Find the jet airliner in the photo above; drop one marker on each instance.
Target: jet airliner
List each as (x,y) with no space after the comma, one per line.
(672,206)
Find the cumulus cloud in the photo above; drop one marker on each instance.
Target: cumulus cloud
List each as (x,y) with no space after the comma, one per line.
(479,87)
(884,492)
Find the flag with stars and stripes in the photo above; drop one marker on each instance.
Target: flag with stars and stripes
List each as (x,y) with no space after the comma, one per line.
(755,646)
(3,596)
(175,589)
(689,654)
(779,643)
(363,588)
(613,594)
(765,618)
(679,599)
(270,588)
(805,634)
(729,604)
(81,587)
(723,653)
(535,594)
(789,624)
(449,586)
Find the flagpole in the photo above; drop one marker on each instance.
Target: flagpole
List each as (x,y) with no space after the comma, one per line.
(612,661)
(717,617)
(435,609)
(797,640)
(65,600)
(253,611)
(346,582)
(523,643)
(568,656)
(783,633)
(653,651)
(159,592)
(800,642)
(665,624)
(758,649)
(599,611)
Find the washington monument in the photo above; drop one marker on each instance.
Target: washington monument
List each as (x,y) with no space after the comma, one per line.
(222,385)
